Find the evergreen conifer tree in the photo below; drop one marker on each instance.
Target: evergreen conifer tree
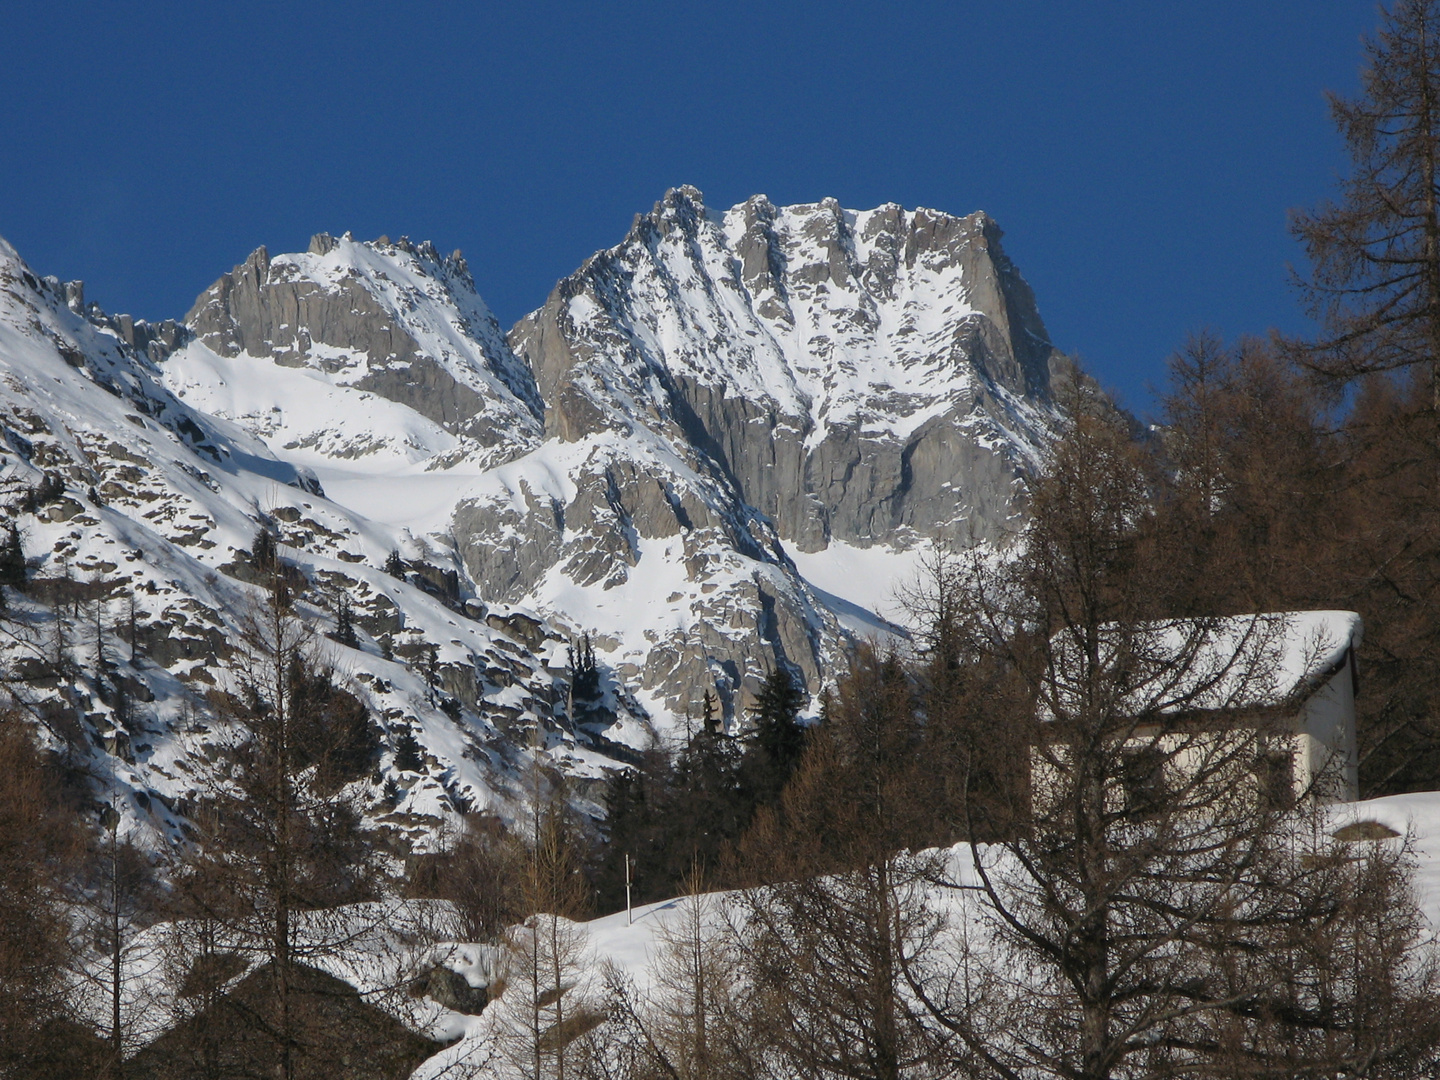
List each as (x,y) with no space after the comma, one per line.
(584,677)
(345,626)
(432,669)
(395,566)
(50,488)
(638,825)
(12,559)
(408,757)
(263,555)
(778,739)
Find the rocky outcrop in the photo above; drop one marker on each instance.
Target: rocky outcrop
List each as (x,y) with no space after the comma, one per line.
(393,319)
(639,459)
(141,565)
(873,377)
(734,606)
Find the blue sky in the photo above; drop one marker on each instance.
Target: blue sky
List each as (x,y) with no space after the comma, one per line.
(1141,156)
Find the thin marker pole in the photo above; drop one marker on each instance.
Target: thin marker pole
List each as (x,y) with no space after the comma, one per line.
(629,911)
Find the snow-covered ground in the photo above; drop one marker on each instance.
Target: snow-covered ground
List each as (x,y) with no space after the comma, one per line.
(632,943)
(864,587)
(388,946)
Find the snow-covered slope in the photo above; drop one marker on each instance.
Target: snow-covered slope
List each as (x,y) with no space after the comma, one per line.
(138,587)
(715,449)
(720,393)
(633,948)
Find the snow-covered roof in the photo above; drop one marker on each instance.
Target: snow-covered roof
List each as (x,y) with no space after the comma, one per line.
(1230,662)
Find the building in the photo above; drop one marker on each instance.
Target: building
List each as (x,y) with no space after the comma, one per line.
(1272,694)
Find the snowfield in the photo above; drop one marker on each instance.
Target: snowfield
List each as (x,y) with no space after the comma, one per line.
(633,947)
(388,946)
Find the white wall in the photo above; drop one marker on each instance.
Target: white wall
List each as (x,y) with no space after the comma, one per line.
(1325,753)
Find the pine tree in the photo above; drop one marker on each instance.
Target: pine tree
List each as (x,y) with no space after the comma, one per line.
(263,554)
(432,669)
(408,755)
(395,566)
(12,559)
(638,824)
(584,677)
(344,626)
(778,740)
(50,488)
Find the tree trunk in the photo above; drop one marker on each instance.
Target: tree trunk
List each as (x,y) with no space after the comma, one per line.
(1432,222)
(117,1049)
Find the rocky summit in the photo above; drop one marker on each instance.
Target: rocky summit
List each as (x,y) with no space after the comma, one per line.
(713,451)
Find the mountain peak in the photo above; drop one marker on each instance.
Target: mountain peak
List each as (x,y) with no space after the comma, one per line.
(711,451)
(841,325)
(391,318)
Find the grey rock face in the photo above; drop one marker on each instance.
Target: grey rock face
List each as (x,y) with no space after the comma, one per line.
(737,607)
(874,377)
(360,311)
(716,390)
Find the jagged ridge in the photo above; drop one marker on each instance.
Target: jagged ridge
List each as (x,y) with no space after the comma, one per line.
(698,414)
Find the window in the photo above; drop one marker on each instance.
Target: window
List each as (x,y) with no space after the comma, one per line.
(1275,778)
(1142,776)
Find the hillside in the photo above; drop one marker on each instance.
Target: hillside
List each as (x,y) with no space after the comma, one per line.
(714,450)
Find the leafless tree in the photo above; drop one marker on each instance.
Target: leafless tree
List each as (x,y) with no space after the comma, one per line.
(696,1019)
(1375,253)
(549,1000)
(841,902)
(283,839)
(118,895)
(1164,836)
(38,841)
(482,870)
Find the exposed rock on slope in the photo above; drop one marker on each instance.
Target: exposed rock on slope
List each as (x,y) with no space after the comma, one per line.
(139,588)
(875,377)
(393,319)
(719,392)
(699,424)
